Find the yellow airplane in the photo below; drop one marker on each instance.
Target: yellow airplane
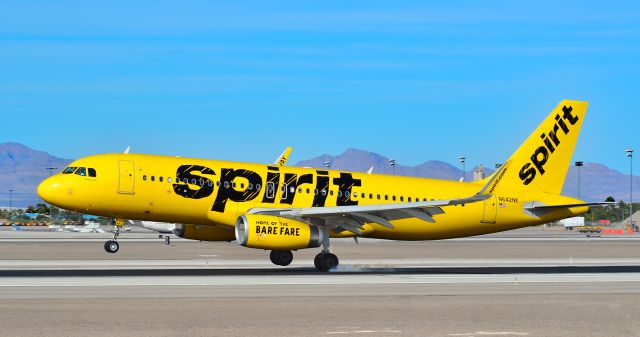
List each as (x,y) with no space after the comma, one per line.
(283,209)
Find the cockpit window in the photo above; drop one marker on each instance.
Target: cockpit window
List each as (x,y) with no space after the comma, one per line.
(69,170)
(92,172)
(81,171)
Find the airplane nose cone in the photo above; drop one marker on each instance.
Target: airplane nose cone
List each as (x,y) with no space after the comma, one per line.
(48,189)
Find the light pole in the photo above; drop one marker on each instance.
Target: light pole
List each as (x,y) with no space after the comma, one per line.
(51,169)
(463,159)
(10,201)
(327,164)
(392,162)
(630,155)
(579,164)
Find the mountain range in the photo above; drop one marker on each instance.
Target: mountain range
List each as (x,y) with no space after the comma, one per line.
(22,168)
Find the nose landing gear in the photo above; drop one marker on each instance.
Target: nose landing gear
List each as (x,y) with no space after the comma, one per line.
(112,246)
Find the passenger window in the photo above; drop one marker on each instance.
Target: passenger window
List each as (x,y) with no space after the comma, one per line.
(402,199)
(218,183)
(210,183)
(144,178)
(258,186)
(242,185)
(339,193)
(292,189)
(346,194)
(160,179)
(331,192)
(300,190)
(233,185)
(69,170)
(168,179)
(324,192)
(315,191)
(409,200)
(250,187)
(92,172)
(153,178)
(378,196)
(355,194)
(393,198)
(386,197)
(370,196)
(81,171)
(308,191)
(226,184)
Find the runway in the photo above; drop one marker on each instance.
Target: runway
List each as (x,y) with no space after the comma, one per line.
(521,285)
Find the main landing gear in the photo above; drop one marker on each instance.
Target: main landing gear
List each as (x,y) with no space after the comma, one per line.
(281,257)
(324,261)
(112,246)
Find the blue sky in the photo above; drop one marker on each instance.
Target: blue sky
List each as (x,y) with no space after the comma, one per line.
(241,80)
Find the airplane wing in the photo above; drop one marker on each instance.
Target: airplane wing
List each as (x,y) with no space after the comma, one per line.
(535,208)
(532,206)
(353,217)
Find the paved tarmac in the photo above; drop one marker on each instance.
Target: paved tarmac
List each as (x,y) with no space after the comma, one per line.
(524,283)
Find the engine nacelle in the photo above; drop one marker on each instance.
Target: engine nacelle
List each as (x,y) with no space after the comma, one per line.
(276,233)
(204,233)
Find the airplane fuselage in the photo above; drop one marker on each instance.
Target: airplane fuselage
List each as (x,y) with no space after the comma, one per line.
(210,192)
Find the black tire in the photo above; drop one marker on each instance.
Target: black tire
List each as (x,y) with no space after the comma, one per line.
(281,257)
(331,261)
(274,257)
(326,261)
(111,246)
(316,261)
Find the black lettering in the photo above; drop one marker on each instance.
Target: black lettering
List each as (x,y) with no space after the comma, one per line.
(527,174)
(273,181)
(547,142)
(185,172)
(345,183)
(291,180)
(567,115)
(233,193)
(540,162)
(322,185)
(563,126)
(554,135)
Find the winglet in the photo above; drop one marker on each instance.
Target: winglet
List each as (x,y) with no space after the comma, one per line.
(126,151)
(282,160)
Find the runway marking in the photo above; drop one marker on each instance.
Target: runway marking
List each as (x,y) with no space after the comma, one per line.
(484,333)
(312,280)
(362,332)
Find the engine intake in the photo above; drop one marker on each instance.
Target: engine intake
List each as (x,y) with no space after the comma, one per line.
(276,233)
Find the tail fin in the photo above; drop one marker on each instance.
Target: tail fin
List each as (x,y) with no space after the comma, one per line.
(543,160)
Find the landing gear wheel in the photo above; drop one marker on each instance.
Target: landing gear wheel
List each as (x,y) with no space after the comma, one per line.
(326,261)
(281,257)
(111,246)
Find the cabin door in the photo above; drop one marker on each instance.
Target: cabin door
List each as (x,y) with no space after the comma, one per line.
(490,210)
(127,177)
